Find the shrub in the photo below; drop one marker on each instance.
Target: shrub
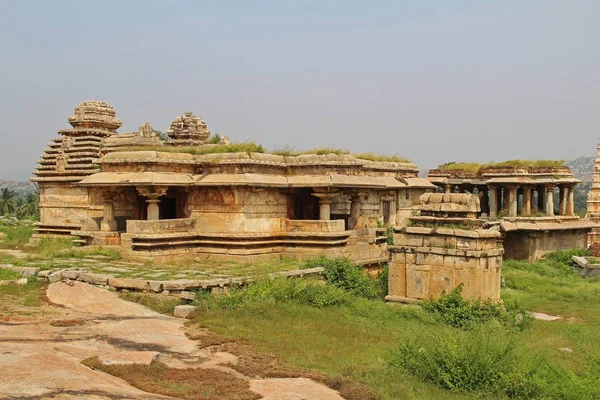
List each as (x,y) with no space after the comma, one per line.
(453,310)
(302,291)
(343,274)
(482,361)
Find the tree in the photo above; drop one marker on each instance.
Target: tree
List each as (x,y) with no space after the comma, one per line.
(8,201)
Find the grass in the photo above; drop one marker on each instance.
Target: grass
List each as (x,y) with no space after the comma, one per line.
(6,275)
(16,236)
(157,302)
(21,300)
(190,383)
(245,147)
(406,352)
(252,147)
(477,167)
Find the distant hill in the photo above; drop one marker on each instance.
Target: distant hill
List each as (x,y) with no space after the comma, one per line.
(22,188)
(582,168)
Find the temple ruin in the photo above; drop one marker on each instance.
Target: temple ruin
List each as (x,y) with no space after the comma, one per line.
(533,205)
(593,204)
(164,200)
(445,246)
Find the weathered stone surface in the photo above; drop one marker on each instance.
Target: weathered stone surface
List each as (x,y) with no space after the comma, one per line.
(184,311)
(44,273)
(187,295)
(181,284)
(71,274)
(21,282)
(125,283)
(155,286)
(94,279)
(55,276)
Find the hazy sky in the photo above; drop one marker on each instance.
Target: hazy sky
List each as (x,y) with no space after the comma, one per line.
(434,81)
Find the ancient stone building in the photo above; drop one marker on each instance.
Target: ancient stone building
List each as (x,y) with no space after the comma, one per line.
(533,206)
(162,201)
(593,202)
(445,246)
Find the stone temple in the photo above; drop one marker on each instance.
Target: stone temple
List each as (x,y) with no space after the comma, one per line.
(161,199)
(165,200)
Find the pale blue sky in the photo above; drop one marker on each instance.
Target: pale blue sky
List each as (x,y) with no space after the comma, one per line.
(434,81)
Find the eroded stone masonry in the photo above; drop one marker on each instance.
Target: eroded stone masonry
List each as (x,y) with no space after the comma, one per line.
(166,200)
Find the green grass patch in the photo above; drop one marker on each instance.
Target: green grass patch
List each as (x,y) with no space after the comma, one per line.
(410,352)
(157,302)
(6,275)
(477,167)
(246,147)
(16,236)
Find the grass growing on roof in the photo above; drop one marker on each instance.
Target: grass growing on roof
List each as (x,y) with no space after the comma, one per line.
(245,147)
(476,167)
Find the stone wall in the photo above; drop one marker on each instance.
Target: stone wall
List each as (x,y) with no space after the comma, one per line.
(237,209)
(427,262)
(528,245)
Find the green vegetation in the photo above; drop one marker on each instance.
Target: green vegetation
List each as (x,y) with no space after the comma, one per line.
(476,167)
(17,234)
(21,207)
(453,310)
(246,147)
(215,138)
(6,275)
(289,152)
(447,349)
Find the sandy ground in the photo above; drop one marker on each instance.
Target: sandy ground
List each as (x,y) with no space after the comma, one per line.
(39,360)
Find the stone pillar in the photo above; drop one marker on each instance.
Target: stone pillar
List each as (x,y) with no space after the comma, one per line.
(152,194)
(493,202)
(527,195)
(355,201)
(512,201)
(324,205)
(562,200)
(541,199)
(571,201)
(447,188)
(484,200)
(108,223)
(153,212)
(501,199)
(550,201)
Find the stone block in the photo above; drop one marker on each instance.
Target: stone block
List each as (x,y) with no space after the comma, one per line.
(94,279)
(185,295)
(465,233)
(184,311)
(415,241)
(55,276)
(21,282)
(71,274)
(155,286)
(419,230)
(45,273)
(445,231)
(125,283)
(181,284)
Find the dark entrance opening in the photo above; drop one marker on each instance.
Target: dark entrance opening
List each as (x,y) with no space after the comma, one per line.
(168,208)
(303,205)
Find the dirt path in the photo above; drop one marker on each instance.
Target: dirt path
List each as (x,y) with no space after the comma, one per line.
(41,358)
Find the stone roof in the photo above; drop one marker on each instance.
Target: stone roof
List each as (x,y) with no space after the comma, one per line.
(188,130)
(71,156)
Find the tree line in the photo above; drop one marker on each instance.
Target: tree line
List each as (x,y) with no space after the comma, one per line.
(25,206)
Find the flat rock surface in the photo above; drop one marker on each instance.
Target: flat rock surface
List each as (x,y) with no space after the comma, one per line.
(293,389)
(40,358)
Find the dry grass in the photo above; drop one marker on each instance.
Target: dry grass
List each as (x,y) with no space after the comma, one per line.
(245,147)
(476,167)
(188,384)
(65,323)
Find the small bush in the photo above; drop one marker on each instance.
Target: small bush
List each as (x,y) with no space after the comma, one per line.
(343,274)
(302,291)
(481,361)
(453,310)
